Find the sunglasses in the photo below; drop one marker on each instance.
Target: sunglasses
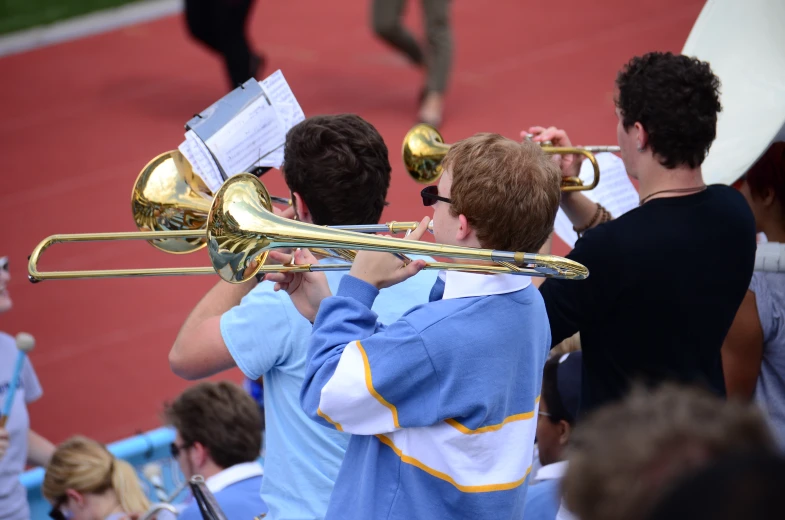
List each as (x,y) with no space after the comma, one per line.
(175,450)
(4,263)
(56,513)
(430,194)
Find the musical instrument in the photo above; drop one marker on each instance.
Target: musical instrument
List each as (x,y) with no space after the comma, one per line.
(169,196)
(170,205)
(241,230)
(24,344)
(35,275)
(424,148)
(748,61)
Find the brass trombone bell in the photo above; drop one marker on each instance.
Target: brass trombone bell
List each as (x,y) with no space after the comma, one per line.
(169,196)
(241,230)
(424,149)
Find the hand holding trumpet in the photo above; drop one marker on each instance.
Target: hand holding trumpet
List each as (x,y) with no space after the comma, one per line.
(570,164)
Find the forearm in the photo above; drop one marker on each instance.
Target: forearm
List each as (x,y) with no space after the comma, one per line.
(342,320)
(582,212)
(39,449)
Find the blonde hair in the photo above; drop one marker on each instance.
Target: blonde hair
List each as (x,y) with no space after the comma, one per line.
(86,466)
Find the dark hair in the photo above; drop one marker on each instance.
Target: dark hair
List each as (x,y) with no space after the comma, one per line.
(624,455)
(220,416)
(676,98)
(733,488)
(339,166)
(550,393)
(768,173)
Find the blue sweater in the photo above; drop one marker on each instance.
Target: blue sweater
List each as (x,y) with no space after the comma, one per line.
(442,403)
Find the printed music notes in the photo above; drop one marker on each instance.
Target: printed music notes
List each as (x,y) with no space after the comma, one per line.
(244,129)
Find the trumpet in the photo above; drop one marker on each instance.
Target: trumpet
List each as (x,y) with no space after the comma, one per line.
(424,149)
(242,229)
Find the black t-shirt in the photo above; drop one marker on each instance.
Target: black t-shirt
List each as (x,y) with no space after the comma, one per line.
(665,282)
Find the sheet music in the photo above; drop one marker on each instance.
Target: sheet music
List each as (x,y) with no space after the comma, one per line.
(241,133)
(286,115)
(253,133)
(194,150)
(279,92)
(615,192)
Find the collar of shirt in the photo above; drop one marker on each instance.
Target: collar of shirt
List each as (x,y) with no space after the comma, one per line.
(552,471)
(459,284)
(233,475)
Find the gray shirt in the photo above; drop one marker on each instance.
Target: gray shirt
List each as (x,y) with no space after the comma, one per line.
(13,496)
(769,289)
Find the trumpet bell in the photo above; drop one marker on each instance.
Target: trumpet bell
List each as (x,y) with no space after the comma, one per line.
(169,196)
(423,151)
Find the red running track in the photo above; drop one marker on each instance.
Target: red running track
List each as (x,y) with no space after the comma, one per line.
(81,119)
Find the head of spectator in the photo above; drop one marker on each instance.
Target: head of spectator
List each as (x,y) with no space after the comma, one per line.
(624,455)
(84,481)
(559,401)
(218,425)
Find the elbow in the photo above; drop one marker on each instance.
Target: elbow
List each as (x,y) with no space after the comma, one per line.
(180,364)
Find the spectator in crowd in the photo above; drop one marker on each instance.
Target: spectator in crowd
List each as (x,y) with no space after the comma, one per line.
(19,444)
(219,436)
(624,456)
(561,388)
(753,354)
(84,481)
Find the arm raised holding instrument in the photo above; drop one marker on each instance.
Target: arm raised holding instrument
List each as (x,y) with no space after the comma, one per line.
(199,349)
(582,212)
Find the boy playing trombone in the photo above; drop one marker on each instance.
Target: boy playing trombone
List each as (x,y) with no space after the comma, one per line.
(442,403)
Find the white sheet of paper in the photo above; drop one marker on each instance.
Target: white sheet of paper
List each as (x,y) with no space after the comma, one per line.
(251,135)
(279,92)
(194,150)
(286,115)
(614,191)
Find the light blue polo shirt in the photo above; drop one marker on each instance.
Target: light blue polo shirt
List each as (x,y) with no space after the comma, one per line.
(267,337)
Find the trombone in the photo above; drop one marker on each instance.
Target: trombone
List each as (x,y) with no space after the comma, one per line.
(242,229)
(424,149)
(170,206)
(168,196)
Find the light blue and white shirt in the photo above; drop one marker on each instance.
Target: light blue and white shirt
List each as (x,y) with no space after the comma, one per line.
(442,404)
(267,337)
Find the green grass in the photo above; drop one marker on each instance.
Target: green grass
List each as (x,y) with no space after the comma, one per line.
(16,15)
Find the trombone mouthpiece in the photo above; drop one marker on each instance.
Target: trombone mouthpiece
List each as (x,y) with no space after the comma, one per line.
(25,342)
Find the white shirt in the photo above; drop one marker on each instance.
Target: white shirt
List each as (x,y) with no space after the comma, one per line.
(459,284)
(232,475)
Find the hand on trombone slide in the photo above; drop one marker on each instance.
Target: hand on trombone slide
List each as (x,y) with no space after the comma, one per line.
(380,269)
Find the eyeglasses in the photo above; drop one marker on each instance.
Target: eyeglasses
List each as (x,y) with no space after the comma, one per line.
(430,194)
(175,450)
(56,513)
